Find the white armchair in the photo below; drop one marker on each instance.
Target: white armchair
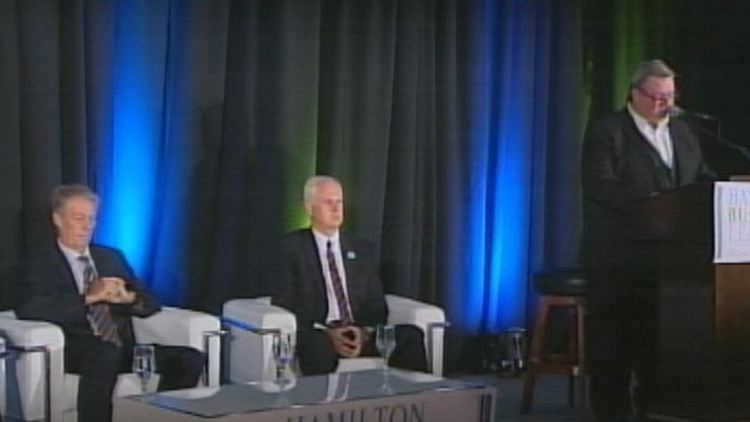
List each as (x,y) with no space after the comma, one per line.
(36,386)
(252,324)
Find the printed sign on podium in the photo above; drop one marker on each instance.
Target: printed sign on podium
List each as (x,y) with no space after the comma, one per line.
(731,222)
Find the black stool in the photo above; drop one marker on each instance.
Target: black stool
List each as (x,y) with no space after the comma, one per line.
(565,288)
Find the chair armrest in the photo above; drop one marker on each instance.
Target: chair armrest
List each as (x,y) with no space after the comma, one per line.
(175,327)
(258,315)
(38,349)
(183,327)
(23,333)
(252,323)
(402,310)
(428,318)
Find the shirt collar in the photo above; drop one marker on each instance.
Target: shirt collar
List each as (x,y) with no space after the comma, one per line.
(322,238)
(72,254)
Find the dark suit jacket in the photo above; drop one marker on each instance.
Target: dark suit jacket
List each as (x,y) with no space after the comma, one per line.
(49,292)
(620,167)
(299,285)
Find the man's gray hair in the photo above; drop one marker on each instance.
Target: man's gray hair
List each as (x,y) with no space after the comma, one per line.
(311,185)
(62,193)
(650,68)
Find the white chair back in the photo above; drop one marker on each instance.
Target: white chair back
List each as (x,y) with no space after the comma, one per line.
(251,323)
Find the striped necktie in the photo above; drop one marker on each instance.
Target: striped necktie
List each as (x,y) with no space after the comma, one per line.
(99,315)
(338,287)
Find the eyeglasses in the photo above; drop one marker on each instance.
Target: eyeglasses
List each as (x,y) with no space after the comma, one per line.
(662,96)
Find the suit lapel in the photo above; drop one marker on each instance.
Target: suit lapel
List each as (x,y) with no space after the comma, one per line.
(100,262)
(663,174)
(65,273)
(680,152)
(349,258)
(312,257)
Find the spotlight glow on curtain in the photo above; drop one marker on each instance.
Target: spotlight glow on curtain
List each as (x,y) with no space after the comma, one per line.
(512,88)
(129,170)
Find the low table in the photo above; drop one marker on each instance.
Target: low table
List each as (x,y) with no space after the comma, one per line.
(363,396)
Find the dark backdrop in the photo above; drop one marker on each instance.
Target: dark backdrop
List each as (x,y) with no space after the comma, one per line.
(454,125)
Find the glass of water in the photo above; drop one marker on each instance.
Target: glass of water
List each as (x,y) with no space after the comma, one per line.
(283,356)
(385,341)
(144,363)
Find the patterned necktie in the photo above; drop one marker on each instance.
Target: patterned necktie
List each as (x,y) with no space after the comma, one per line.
(338,288)
(98,314)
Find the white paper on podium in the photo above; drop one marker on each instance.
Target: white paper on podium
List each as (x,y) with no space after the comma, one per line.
(731,222)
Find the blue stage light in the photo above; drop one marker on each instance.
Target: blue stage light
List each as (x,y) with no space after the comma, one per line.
(130,168)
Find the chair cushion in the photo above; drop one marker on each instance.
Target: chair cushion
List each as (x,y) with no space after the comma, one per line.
(564,282)
(259,314)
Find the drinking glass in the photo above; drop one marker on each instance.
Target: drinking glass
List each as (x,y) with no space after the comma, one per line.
(283,356)
(385,341)
(144,363)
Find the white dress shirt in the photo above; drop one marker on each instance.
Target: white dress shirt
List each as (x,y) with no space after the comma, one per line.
(321,240)
(658,136)
(76,265)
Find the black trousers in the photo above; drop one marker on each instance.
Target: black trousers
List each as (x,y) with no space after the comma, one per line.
(316,354)
(98,363)
(622,341)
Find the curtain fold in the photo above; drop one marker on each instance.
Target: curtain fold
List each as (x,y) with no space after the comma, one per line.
(453,125)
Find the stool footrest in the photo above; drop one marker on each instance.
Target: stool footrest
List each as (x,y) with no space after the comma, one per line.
(554,368)
(556,358)
(570,363)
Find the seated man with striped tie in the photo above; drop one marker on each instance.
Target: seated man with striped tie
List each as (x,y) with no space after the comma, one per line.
(90,291)
(330,281)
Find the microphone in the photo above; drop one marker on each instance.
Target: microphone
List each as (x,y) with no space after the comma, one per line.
(676,111)
(715,136)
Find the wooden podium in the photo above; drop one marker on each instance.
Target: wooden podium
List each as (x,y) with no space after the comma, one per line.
(704,309)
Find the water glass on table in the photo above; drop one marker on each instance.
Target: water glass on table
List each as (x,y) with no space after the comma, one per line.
(144,363)
(283,356)
(385,341)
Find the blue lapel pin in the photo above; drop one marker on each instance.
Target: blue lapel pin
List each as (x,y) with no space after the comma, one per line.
(351,255)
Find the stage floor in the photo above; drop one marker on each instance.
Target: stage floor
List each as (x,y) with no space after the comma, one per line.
(550,404)
(550,400)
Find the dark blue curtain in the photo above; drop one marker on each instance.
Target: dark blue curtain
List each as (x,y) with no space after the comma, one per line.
(454,126)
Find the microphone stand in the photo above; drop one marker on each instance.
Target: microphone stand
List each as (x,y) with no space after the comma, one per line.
(716,136)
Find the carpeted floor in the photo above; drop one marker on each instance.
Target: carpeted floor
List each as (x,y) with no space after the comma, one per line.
(550,400)
(550,404)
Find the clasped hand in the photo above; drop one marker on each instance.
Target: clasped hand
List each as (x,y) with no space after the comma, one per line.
(347,340)
(109,290)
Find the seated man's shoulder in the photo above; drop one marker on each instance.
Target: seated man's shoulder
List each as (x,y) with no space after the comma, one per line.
(296,234)
(108,256)
(357,249)
(293,241)
(359,241)
(41,256)
(104,249)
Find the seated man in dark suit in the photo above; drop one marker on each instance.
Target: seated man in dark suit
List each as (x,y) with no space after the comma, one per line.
(330,282)
(91,292)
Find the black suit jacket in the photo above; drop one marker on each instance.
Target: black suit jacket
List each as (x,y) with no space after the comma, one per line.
(299,285)
(619,168)
(49,292)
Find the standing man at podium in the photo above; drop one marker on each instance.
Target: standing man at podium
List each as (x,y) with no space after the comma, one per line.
(629,155)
